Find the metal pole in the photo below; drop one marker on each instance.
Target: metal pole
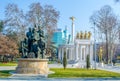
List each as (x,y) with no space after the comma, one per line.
(95,45)
(106,47)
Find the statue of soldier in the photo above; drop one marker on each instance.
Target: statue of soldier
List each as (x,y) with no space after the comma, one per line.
(24,47)
(42,47)
(41,42)
(35,47)
(29,36)
(35,35)
(40,31)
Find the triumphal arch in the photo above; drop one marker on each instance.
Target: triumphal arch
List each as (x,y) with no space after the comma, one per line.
(78,50)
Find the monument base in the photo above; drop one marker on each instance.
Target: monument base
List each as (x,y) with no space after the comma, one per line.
(32,66)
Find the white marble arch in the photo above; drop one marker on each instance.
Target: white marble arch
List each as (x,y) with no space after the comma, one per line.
(69,49)
(84,47)
(77,51)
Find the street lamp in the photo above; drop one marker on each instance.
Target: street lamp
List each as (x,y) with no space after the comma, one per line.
(95,44)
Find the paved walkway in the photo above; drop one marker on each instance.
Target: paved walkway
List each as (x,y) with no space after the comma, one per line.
(110,68)
(50,66)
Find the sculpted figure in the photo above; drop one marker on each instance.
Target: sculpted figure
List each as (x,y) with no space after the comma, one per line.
(35,35)
(24,47)
(40,31)
(35,48)
(85,35)
(89,35)
(34,45)
(41,41)
(29,36)
(42,46)
(81,35)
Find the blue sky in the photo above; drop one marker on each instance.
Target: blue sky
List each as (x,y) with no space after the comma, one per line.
(81,9)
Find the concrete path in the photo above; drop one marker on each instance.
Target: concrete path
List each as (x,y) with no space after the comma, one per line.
(110,68)
(49,65)
(7,67)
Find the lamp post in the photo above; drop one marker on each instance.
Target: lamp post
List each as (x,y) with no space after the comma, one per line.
(95,45)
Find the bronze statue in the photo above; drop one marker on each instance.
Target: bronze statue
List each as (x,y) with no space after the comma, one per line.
(24,48)
(35,43)
(29,36)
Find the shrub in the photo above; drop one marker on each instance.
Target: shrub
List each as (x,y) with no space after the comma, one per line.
(64,61)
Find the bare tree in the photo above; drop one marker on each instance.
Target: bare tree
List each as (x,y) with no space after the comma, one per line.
(34,15)
(8,46)
(51,17)
(15,21)
(107,23)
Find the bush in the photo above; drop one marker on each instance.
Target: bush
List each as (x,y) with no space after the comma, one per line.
(113,61)
(88,62)
(64,61)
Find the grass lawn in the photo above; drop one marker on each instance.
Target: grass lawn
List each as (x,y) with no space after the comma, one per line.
(5,73)
(81,73)
(8,64)
(73,73)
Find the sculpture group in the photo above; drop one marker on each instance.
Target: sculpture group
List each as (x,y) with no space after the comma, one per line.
(33,46)
(85,35)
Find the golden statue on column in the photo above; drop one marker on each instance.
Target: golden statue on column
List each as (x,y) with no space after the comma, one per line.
(89,35)
(85,35)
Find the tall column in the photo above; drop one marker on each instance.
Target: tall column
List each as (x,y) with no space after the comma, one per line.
(87,53)
(59,53)
(91,52)
(81,53)
(84,53)
(76,55)
(72,30)
(71,54)
(62,53)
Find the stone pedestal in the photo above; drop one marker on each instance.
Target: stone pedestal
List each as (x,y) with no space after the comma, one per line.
(32,66)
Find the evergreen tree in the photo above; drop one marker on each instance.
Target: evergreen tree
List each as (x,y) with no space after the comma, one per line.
(64,61)
(1,26)
(88,62)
